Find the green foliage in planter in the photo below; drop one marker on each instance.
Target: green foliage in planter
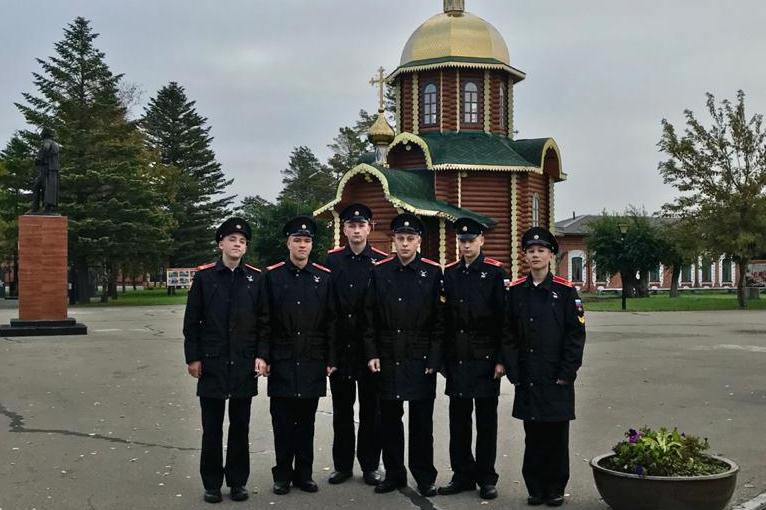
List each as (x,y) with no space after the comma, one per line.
(648,452)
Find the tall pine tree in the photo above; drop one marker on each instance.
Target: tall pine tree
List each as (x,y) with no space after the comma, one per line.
(180,138)
(114,214)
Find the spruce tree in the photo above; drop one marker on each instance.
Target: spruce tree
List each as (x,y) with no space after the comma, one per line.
(180,138)
(114,214)
(17,172)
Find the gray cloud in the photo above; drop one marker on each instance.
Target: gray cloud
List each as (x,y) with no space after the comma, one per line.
(273,75)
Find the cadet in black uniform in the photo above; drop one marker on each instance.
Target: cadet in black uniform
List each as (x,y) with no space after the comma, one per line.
(220,341)
(475,288)
(403,335)
(298,346)
(546,325)
(351,265)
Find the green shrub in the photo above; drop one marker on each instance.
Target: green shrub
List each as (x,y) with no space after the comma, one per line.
(647,452)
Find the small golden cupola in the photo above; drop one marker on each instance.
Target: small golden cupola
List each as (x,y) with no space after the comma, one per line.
(381,134)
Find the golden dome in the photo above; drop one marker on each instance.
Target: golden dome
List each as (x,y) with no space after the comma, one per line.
(381,131)
(455,33)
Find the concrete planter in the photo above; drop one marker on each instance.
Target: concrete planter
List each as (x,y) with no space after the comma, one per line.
(623,491)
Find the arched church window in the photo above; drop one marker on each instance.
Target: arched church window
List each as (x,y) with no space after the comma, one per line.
(535,210)
(501,98)
(430,101)
(470,103)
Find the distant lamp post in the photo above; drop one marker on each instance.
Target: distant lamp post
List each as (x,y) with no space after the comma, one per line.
(623,230)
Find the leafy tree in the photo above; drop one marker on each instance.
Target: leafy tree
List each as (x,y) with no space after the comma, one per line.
(114,215)
(720,172)
(636,251)
(179,137)
(680,245)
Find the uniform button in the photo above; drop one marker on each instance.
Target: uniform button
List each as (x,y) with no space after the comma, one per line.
(459,394)
(531,384)
(398,396)
(398,330)
(299,394)
(397,363)
(531,350)
(299,333)
(487,356)
(350,284)
(462,331)
(460,362)
(228,395)
(399,299)
(349,316)
(349,346)
(297,362)
(298,302)
(532,418)
(531,319)
(231,362)
(461,300)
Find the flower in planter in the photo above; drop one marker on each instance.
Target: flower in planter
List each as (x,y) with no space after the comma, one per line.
(662,452)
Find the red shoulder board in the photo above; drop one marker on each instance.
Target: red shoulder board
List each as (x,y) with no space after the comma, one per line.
(206,266)
(320,266)
(252,268)
(562,281)
(278,264)
(452,264)
(518,281)
(335,250)
(389,259)
(379,252)
(493,262)
(429,261)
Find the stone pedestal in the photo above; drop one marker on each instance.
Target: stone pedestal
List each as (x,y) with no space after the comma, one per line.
(42,279)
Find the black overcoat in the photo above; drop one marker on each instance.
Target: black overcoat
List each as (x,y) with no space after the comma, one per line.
(475,309)
(546,329)
(221,329)
(298,339)
(351,273)
(404,326)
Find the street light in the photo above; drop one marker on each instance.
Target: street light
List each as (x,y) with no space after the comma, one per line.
(623,230)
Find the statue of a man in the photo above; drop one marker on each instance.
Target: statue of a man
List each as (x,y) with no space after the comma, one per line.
(46,186)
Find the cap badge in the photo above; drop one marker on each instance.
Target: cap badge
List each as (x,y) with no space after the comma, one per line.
(356,213)
(303,227)
(406,223)
(465,229)
(537,236)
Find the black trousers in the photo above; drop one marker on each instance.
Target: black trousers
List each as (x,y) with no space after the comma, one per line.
(237,468)
(420,456)
(293,422)
(368,445)
(466,469)
(546,458)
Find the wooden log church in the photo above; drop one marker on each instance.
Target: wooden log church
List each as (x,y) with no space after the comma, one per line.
(452,151)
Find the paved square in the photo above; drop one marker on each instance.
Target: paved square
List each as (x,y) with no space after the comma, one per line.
(110,420)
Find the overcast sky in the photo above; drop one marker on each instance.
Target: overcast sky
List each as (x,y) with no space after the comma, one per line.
(271,75)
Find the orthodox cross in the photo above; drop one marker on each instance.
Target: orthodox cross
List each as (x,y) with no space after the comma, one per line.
(380,81)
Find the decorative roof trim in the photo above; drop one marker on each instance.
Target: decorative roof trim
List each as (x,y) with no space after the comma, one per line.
(499,168)
(427,66)
(364,168)
(412,138)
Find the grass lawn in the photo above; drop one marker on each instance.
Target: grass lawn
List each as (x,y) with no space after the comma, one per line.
(143,298)
(663,303)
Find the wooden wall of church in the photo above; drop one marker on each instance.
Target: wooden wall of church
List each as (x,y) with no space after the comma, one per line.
(446,186)
(488,193)
(498,104)
(449,100)
(405,94)
(424,79)
(412,159)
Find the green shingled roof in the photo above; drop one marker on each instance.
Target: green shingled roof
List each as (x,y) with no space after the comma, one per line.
(479,148)
(416,188)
